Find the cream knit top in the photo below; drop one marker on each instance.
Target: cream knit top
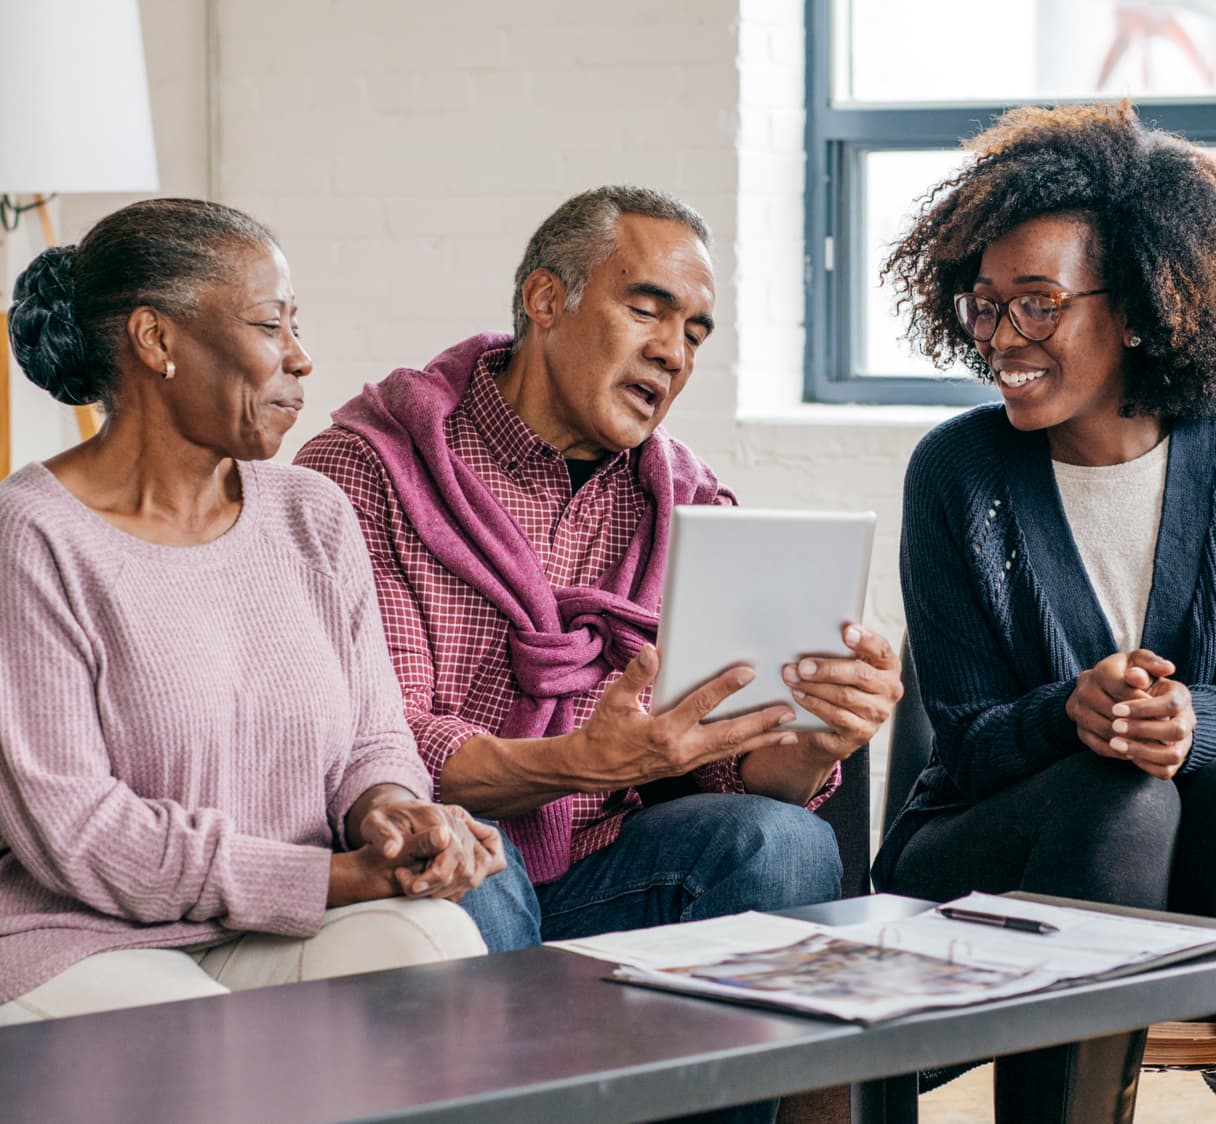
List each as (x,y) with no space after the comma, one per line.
(1114,512)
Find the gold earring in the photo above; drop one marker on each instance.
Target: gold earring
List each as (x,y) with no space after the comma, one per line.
(170,370)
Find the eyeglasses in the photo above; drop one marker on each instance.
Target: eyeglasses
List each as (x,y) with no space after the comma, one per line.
(1034,315)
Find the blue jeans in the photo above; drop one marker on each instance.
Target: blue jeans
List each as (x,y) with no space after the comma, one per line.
(691,858)
(694,857)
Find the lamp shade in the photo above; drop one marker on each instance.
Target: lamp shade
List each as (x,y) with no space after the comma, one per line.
(74,112)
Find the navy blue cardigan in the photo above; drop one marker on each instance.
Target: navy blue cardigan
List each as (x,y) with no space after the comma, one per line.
(1002,617)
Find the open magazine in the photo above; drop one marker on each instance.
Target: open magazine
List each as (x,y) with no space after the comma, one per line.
(879,970)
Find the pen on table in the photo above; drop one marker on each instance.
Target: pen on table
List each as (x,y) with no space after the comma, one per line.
(1022,924)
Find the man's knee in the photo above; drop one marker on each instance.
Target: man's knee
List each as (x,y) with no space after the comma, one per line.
(787,855)
(504,906)
(796,854)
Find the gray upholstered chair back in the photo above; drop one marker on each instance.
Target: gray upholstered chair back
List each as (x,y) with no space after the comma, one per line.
(849,814)
(911,741)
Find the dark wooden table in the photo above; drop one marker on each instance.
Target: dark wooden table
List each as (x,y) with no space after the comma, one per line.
(523,1037)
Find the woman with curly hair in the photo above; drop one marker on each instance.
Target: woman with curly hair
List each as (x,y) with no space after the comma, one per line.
(1059,550)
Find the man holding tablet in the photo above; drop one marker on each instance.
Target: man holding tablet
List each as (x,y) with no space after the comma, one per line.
(516,496)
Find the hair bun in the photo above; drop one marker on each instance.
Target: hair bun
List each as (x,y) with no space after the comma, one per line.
(42,327)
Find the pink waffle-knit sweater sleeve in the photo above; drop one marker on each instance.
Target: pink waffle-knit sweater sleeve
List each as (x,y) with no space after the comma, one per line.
(182,730)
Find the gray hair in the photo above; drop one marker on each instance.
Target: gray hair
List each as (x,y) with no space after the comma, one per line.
(71,304)
(581,234)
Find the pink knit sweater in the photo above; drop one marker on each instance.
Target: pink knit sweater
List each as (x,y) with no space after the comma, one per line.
(182,730)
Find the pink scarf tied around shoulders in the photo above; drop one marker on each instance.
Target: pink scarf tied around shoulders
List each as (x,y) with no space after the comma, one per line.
(562,642)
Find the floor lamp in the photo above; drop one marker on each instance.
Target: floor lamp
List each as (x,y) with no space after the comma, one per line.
(78,121)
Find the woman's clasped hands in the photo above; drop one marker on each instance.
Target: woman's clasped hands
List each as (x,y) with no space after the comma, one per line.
(1127,707)
(400,845)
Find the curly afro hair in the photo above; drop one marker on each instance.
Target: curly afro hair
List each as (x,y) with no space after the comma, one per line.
(1150,198)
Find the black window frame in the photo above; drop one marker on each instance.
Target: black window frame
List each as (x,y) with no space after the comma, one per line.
(837,139)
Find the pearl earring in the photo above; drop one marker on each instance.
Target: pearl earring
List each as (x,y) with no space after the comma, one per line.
(170,370)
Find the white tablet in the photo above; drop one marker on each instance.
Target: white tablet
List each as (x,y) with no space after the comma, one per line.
(761,587)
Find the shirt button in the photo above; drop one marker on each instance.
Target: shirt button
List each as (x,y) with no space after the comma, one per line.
(512,465)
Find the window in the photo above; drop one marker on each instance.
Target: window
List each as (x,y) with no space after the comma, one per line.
(891,87)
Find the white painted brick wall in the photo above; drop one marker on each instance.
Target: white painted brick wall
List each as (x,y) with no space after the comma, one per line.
(404,152)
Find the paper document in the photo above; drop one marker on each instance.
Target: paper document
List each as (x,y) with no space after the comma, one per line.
(879,970)
(666,945)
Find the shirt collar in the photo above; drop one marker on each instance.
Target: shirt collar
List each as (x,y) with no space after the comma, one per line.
(509,439)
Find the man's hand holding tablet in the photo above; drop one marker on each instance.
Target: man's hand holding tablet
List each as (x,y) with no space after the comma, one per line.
(624,744)
(764,589)
(779,591)
(852,697)
(790,732)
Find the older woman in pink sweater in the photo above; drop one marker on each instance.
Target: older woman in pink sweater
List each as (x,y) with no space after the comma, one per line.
(206,781)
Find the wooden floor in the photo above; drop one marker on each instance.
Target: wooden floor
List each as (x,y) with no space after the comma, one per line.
(1172,1097)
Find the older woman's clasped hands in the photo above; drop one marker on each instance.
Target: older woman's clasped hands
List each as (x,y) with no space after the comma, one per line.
(412,847)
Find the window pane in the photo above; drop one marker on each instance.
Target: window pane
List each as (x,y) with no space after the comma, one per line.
(893,181)
(918,51)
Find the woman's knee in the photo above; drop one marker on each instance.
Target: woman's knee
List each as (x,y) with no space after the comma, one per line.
(1116,800)
(1109,836)
(108,981)
(393,933)
(368,937)
(1085,827)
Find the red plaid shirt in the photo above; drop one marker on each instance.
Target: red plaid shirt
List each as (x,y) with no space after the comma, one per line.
(448,643)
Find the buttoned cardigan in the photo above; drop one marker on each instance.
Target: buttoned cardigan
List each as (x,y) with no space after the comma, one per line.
(1002,617)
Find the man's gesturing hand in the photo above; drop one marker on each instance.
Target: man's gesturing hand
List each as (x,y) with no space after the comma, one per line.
(622,744)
